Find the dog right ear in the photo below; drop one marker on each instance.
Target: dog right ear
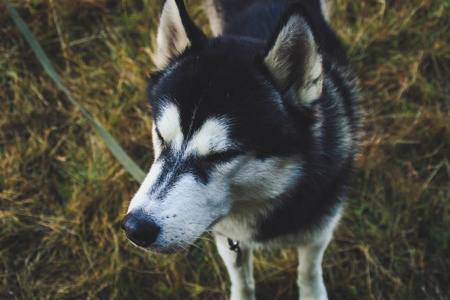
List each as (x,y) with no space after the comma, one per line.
(176,32)
(293,58)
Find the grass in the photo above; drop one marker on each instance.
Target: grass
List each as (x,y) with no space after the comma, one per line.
(63,194)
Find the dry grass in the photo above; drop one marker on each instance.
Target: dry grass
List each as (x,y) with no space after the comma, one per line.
(62,194)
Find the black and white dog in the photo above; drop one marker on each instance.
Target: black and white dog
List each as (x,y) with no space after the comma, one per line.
(254,134)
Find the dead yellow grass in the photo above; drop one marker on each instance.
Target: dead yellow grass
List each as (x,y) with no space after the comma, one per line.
(62,193)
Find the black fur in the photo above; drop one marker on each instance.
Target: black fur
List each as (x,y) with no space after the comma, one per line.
(226,77)
(195,35)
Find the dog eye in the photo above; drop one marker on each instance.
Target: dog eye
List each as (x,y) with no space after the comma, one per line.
(221,157)
(158,134)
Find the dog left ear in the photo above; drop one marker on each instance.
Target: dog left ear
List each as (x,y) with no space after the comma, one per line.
(294,60)
(176,32)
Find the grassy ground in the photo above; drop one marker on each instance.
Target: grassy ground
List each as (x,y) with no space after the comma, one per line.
(62,193)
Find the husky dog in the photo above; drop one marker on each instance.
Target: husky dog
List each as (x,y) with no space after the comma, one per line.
(254,134)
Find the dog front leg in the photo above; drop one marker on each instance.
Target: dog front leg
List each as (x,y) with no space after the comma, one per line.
(241,274)
(310,280)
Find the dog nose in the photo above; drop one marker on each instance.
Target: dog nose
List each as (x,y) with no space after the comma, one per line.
(140,231)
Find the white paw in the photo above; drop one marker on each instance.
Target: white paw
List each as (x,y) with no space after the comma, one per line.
(319,294)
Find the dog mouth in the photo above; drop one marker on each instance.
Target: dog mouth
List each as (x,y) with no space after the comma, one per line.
(157,237)
(164,250)
(149,237)
(156,247)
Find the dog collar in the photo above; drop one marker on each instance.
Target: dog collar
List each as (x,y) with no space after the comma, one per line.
(234,246)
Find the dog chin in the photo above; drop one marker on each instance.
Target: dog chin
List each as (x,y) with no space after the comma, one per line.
(164,249)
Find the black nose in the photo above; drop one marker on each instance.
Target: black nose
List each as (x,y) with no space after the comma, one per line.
(140,231)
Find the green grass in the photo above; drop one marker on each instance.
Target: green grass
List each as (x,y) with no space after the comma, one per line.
(63,194)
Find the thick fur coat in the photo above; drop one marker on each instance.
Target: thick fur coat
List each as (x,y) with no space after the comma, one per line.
(255,134)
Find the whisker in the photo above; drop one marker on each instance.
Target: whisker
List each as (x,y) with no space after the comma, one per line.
(206,239)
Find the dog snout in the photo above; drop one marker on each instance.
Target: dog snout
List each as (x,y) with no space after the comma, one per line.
(140,231)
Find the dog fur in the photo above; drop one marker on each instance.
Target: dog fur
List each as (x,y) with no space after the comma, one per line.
(254,134)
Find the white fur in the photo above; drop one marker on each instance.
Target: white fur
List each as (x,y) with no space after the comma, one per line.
(245,184)
(238,193)
(211,137)
(311,246)
(242,282)
(254,188)
(277,63)
(172,38)
(241,191)
(187,211)
(325,8)
(157,145)
(312,89)
(140,199)
(310,279)
(296,35)
(169,126)
(215,16)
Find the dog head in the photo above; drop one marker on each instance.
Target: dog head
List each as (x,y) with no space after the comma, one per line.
(231,125)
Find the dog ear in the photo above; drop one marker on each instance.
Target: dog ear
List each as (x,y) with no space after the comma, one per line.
(176,32)
(214,11)
(293,58)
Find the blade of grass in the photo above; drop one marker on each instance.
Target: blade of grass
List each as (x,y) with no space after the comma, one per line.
(112,144)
